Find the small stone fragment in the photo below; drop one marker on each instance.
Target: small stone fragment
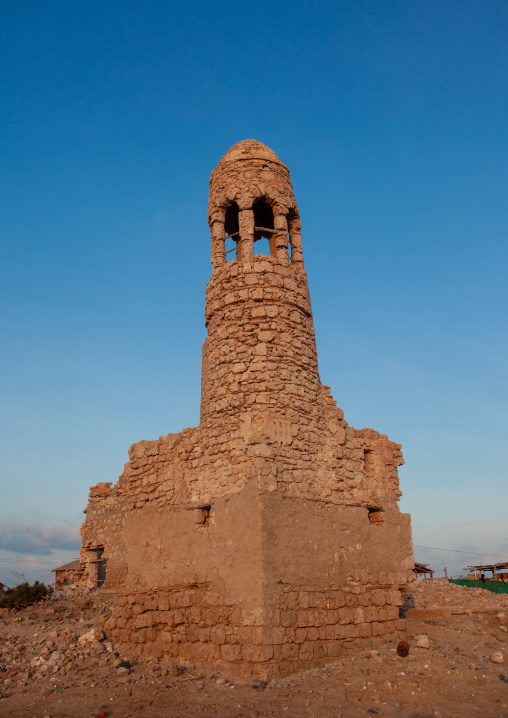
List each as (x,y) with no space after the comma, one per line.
(173,670)
(92,636)
(497,657)
(422,642)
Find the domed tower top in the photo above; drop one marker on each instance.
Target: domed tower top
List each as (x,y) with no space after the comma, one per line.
(247,150)
(251,197)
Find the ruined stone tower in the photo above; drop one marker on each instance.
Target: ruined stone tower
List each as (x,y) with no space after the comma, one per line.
(260,379)
(268,537)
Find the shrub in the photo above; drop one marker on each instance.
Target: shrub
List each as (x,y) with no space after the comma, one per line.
(25,595)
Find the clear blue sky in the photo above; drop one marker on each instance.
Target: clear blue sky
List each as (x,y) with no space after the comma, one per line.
(393,118)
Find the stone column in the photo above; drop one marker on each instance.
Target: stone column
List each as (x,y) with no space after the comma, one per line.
(279,239)
(295,236)
(245,251)
(218,246)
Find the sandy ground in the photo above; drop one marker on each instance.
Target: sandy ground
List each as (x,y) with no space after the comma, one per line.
(46,671)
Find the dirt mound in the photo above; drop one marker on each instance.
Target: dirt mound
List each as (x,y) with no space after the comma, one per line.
(440,594)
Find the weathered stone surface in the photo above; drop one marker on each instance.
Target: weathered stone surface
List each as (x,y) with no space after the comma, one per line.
(422,642)
(269,536)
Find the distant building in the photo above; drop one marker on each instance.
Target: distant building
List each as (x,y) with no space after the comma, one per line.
(67,574)
(422,569)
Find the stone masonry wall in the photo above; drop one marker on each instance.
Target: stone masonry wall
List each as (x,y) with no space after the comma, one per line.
(196,625)
(260,377)
(103,530)
(360,469)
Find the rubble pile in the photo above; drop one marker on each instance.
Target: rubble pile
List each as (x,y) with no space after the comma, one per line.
(441,594)
(57,639)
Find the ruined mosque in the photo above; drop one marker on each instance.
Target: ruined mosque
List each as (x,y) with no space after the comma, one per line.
(268,538)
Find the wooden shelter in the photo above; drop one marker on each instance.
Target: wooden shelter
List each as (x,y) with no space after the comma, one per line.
(498,574)
(422,569)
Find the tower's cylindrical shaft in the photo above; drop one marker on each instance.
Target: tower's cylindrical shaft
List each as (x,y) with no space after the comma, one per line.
(260,383)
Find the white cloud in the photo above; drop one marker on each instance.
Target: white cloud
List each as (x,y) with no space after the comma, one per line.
(38,540)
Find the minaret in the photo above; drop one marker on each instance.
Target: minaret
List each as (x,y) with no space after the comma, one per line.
(260,380)
(268,537)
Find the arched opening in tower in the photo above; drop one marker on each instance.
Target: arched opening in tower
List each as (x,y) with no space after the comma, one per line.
(231,230)
(264,236)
